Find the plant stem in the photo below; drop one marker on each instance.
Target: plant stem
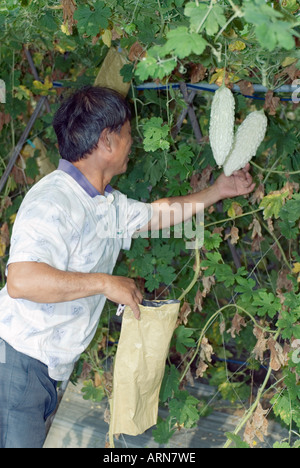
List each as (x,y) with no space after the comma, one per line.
(253,407)
(136,111)
(235,15)
(278,245)
(262,169)
(196,275)
(205,16)
(233,218)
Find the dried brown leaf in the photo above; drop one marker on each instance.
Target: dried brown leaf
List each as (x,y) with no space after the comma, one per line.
(233,234)
(271,102)
(258,194)
(198,300)
(199,181)
(136,52)
(184,313)
(69,7)
(278,357)
(237,323)
(206,350)
(198,72)
(208,282)
(4,119)
(222,326)
(261,344)
(201,369)
(257,426)
(246,87)
(283,282)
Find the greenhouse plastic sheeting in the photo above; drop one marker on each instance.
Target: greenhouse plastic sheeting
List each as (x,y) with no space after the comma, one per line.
(139,366)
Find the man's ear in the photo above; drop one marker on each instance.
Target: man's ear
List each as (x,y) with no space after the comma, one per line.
(106,140)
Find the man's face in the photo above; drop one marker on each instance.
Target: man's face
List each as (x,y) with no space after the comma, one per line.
(122,143)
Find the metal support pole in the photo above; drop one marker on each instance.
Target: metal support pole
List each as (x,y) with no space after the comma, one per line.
(21,142)
(188,99)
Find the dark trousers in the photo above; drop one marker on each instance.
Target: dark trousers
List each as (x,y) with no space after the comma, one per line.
(27,397)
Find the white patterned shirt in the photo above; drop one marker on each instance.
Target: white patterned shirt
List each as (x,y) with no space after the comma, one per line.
(65,222)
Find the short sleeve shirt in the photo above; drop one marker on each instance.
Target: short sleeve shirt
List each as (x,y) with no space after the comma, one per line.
(66,223)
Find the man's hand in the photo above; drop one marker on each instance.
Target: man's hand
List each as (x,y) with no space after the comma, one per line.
(123,290)
(239,183)
(41,283)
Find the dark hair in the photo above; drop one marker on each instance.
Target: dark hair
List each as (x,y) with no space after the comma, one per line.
(83,116)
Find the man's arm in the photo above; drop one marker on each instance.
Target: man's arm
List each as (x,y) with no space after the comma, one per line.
(41,283)
(174,210)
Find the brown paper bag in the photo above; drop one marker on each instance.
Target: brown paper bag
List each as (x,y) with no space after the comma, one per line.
(109,74)
(139,366)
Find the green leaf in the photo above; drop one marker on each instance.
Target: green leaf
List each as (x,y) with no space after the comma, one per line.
(152,282)
(224,274)
(184,409)
(215,20)
(284,34)
(170,383)
(32,169)
(90,21)
(163,432)
(272,204)
(91,392)
(270,30)
(47,22)
(212,262)
(127,72)
(290,214)
(292,385)
(245,288)
(185,154)
(183,339)
(182,42)
(203,18)
(196,13)
(266,36)
(155,167)
(282,406)
(155,134)
(167,274)
(287,323)
(239,443)
(281,445)
(212,240)
(222,271)
(147,67)
(268,303)
(234,391)
(154,65)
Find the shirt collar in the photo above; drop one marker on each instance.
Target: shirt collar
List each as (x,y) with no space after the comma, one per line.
(72,170)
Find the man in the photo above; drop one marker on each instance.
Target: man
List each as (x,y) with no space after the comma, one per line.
(66,239)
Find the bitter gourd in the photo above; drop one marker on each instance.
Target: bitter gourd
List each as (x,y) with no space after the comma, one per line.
(248,137)
(221,128)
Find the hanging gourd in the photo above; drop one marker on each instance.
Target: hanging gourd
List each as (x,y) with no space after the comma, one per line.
(221,129)
(248,137)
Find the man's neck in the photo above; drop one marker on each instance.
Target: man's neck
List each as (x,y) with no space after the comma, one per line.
(93,175)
